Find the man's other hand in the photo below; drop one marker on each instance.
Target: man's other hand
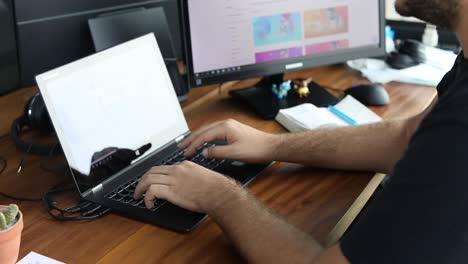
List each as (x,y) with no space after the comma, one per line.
(187,185)
(244,143)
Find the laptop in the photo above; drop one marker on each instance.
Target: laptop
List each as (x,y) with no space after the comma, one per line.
(116,115)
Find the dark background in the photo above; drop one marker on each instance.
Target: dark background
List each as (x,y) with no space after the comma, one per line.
(39,35)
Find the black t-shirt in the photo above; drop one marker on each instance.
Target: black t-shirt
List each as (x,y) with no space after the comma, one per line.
(421,214)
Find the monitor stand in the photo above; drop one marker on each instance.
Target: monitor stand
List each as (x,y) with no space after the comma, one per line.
(267,105)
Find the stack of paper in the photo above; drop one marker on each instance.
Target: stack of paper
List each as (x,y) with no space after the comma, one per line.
(439,62)
(308,116)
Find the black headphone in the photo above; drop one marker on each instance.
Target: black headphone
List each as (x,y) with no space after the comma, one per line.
(35,116)
(82,211)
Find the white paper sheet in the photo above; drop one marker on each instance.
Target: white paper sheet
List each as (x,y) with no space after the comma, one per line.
(34,258)
(357,111)
(430,73)
(308,116)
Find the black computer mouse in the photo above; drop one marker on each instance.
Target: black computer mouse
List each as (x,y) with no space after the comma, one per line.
(400,61)
(369,94)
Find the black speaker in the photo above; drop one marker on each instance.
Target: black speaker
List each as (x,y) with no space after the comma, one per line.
(9,72)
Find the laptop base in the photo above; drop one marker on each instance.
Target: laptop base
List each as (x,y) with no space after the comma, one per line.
(168,215)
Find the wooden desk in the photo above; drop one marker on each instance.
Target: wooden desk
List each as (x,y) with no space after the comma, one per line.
(313,199)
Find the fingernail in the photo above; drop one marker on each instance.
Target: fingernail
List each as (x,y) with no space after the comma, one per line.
(205,153)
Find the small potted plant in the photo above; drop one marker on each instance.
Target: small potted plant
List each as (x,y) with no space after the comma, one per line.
(11,225)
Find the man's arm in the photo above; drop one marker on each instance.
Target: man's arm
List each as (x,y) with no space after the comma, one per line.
(375,147)
(263,237)
(259,234)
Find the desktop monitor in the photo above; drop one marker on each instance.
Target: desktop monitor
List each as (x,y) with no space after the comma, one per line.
(111,29)
(52,33)
(241,39)
(233,40)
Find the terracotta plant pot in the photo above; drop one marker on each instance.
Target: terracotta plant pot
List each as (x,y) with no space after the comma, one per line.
(10,241)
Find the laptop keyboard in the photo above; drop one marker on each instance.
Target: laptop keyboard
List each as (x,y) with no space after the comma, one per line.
(124,193)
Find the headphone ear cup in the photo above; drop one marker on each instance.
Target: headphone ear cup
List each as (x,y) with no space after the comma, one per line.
(39,117)
(25,118)
(35,116)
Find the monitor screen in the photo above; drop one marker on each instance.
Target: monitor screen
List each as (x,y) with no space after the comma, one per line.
(55,32)
(114,29)
(249,38)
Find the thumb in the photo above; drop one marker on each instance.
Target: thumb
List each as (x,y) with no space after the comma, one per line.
(218,152)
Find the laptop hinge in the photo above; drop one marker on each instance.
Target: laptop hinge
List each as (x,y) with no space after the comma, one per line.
(179,139)
(97,189)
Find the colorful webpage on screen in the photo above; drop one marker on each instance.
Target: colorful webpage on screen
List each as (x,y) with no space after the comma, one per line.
(256,31)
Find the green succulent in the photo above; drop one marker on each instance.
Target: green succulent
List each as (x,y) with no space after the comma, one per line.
(8,216)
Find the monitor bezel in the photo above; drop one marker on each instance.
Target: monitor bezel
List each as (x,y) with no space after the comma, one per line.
(278,67)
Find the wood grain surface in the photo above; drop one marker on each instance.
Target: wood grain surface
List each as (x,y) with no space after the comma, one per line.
(313,199)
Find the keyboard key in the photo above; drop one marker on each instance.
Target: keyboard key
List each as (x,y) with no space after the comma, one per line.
(160,202)
(125,192)
(126,199)
(201,148)
(117,197)
(134,202)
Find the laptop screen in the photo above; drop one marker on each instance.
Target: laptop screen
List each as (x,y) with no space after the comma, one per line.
(112,109)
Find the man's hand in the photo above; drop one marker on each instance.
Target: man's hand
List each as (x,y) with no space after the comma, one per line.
(244,143)
(187,185)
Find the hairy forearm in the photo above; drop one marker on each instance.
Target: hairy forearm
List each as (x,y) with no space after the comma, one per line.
(374,147)
(259,234)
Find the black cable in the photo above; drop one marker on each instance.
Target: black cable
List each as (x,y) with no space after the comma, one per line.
(62,217)
(82,211)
